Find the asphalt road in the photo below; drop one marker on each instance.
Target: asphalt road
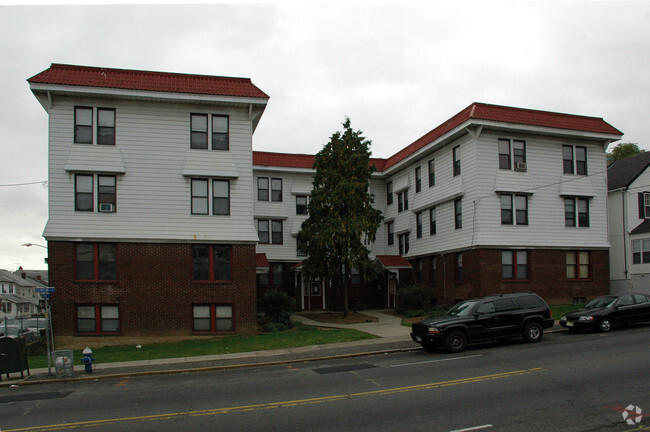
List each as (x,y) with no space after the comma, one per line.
(568,382)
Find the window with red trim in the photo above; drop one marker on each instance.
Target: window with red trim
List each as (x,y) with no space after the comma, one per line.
(98,318)
(211,262)
(96,261)
(514,265)
(578,265)
(212,318)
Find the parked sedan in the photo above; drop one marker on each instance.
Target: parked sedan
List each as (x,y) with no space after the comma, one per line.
(604,312)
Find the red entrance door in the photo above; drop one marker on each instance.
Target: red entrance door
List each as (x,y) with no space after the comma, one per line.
(313,294)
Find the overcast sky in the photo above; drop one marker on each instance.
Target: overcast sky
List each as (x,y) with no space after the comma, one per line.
(396,69)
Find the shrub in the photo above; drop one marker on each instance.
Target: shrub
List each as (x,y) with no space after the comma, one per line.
(278,307)
(412,298)
(272,327)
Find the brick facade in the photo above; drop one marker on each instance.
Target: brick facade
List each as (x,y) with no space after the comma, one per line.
(482,275)
(154,289)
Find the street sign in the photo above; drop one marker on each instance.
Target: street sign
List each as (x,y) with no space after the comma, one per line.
(45,295)
(44,290)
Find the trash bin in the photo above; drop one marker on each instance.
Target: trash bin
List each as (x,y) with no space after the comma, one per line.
(13,357)
(63,363)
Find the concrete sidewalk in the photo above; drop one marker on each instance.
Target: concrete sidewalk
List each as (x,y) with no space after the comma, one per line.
(392,337)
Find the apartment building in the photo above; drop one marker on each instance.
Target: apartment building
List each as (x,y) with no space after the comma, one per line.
(162,218)
(150,224)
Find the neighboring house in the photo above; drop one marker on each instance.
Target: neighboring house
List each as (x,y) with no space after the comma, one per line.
(162,219)
(495,199)
(150,227)
(628,203)
(18,296)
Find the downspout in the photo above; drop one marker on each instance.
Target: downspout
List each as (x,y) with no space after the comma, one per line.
(624,224)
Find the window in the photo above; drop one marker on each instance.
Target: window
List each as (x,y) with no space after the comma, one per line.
(403,240)
(389,229)
(6,307)
(432,173)
(456,155)
(574,160)
(84,192)
(276,189)
(389,193)
(106,193)
(212,318)
(301,204)
(644,205)
(458,274)
(403,200)
(504,154)
(577,265)
(220,132)
(220,196)
(519,210)
(200,196)
(418,224)
(504,304)
(105,126)
(418,270)
(434,269)
(640,251)
(355,277)
(458,213)
(98,318)
(432,221)
(199,131)
(277,274)
(262,189)
(266,236)
(418,180)
(509,148)
(570,205)
(514,265)
(96,261)
(211,262)
(83,125)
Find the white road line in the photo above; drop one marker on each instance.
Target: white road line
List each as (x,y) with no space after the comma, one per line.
(487,426)
(436,361)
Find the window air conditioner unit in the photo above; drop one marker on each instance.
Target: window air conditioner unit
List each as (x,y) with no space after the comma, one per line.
(106,208)
(520,166)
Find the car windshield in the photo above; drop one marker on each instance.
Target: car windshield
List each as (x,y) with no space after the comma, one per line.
(462,308)
(600,302)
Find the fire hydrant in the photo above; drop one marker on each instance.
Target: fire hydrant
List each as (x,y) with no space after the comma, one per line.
(88,359)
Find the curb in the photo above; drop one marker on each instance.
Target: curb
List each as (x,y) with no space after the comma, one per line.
(26,381)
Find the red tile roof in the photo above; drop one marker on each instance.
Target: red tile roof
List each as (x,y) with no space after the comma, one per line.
(261,260)
(393,261)
(85,76)
(294,160)
(503,114)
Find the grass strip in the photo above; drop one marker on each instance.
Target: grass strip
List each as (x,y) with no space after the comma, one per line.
(293,338)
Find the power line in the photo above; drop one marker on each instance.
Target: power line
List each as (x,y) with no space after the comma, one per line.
(43,182)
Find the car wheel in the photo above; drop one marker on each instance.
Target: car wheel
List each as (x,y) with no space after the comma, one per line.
(605,325)
(456,342)
(533,332)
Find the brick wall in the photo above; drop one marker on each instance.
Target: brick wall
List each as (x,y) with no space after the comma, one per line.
(154,288)
(482,275)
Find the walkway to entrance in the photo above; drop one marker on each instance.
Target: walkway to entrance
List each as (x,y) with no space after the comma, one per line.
(386,326)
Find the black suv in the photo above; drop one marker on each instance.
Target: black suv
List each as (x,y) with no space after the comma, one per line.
(489,318)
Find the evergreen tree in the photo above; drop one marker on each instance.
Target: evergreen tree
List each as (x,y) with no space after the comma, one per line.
(342,220)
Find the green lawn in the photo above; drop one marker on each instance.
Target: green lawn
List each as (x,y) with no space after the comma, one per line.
(297,337)
(559,310)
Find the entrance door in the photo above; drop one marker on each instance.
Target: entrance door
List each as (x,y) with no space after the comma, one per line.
(313,295)
(392,290)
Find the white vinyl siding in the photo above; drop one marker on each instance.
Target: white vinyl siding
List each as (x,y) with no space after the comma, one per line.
(154,199)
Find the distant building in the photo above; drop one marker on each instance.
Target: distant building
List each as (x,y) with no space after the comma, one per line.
(628,203)
(18,297)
